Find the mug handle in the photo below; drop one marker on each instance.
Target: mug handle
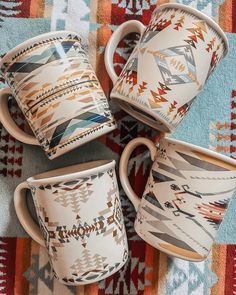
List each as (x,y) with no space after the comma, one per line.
(123,167)
(23,215)
(9,124)
(131,26)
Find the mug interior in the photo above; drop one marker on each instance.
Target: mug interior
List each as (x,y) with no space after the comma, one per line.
(78,170)
(206,154)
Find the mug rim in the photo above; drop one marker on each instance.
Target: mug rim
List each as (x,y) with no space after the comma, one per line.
(203,150)
(32,40)
(78,172)
(201,15)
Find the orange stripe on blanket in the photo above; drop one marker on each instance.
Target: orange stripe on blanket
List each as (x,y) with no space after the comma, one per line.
(23,257)
(91,289)
(149,255)
(218,267)
(152,262)
(102,36)
(226,10)
(104,12)
(156,270)
(37,8)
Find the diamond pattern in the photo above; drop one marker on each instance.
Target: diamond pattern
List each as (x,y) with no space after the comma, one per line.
(178,65)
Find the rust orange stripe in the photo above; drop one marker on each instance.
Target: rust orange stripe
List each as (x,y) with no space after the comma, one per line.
(156,269)
(37,8)
(91,289)
(219,267)
(160,2)
(226,10)
(103,35)
(23,253)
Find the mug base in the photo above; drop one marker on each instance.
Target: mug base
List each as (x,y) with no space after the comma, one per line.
(173,251)
(146,117)
(81,139)
(95,280)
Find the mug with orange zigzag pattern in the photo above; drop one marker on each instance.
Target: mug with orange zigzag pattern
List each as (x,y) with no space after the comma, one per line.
(175,56)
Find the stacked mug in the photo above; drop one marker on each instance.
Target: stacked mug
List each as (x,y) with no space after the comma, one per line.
(78,207)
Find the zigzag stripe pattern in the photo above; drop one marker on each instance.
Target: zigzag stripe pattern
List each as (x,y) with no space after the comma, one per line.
(29,48)
(54,52)
(59,94)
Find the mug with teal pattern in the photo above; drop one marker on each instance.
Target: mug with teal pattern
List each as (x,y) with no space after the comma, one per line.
(58,92)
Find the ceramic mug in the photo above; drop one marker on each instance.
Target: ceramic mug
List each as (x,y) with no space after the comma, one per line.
(58,92)
(80,218)
(185,198)
(176,54)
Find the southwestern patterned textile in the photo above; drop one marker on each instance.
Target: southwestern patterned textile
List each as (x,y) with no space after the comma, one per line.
(211,122)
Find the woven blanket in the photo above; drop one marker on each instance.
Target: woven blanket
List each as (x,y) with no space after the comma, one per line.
(211,123)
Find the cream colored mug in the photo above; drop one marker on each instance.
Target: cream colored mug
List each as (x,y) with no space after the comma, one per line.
(80,218)
(176,54)
(58,92)
(185,198)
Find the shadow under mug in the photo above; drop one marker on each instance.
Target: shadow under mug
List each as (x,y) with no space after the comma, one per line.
(185,198)
(80,218)
(176,54)
(58,92)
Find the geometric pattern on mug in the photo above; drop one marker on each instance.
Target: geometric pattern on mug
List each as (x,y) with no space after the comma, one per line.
(215,58)
(49,78)
(114,219)
(198,31)
(80,190)
(40,93)
(91,266)
(45,52)
(109,221)
(33,90)
(177,64)
(203,207)
(159,21)
(53,128)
